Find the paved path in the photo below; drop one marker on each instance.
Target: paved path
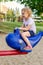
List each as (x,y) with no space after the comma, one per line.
(33,58)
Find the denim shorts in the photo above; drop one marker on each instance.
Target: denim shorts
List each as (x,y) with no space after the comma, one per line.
(31,32)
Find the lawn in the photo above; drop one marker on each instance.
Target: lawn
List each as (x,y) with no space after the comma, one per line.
(9,26)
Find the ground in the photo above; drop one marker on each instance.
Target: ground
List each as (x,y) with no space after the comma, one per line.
(33,58)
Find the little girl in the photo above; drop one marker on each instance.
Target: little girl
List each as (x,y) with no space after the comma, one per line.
(28,27)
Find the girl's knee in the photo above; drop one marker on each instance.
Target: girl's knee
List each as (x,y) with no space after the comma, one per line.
(22,33)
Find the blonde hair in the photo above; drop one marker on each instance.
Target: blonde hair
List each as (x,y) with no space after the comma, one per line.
(28,10)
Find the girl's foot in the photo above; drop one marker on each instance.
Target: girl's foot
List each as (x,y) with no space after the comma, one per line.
(28,48)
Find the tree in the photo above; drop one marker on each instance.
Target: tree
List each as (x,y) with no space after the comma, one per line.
(34,5)
(5,0)
(10,14)
(17,14)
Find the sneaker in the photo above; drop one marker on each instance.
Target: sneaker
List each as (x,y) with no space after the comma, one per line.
(28,48)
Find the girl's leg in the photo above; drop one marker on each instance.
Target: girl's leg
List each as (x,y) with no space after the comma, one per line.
(24,36)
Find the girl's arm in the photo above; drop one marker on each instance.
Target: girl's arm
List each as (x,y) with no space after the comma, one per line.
(25,28)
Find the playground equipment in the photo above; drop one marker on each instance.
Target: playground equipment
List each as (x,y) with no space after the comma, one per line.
(15,41)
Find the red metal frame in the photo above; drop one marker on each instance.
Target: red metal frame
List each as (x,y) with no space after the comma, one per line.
(11,52)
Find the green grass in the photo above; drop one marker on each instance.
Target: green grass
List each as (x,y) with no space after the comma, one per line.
(9,26)
(39,24)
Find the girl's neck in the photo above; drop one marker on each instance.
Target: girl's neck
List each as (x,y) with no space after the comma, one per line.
(27,18)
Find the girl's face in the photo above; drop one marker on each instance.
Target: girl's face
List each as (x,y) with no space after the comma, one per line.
(25,15)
